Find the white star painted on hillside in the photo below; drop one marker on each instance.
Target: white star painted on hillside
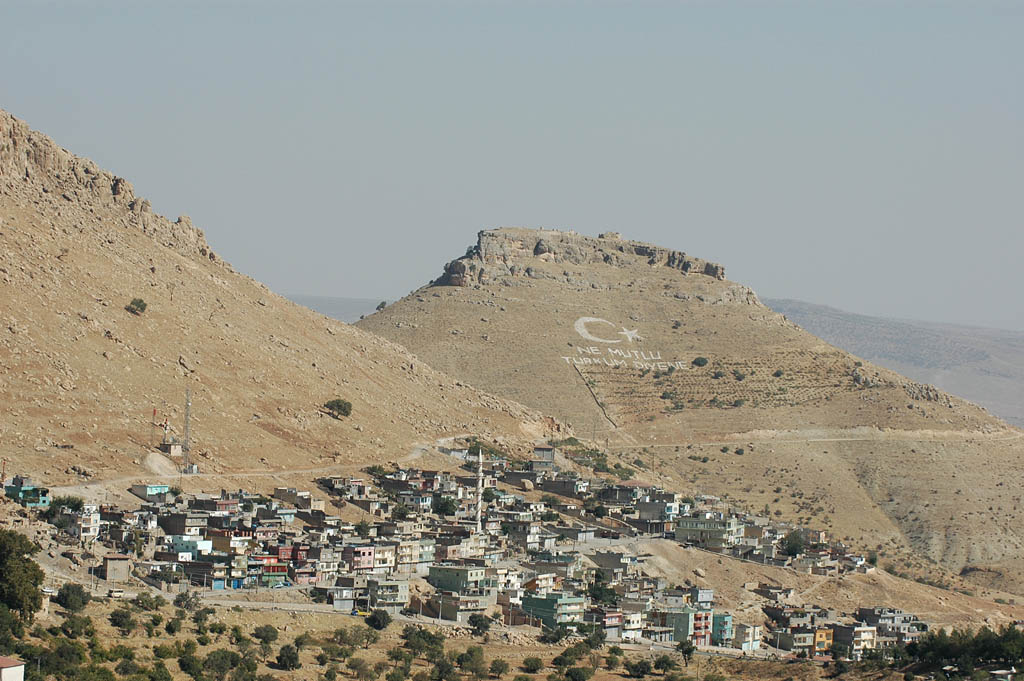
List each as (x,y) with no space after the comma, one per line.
(631,336)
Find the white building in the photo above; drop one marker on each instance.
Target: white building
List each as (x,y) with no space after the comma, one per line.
(11,669)
(747,637)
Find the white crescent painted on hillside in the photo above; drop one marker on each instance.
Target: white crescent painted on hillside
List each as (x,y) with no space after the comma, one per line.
(581,329)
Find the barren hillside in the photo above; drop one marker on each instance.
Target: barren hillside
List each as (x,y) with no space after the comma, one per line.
(80,376)
(655,354)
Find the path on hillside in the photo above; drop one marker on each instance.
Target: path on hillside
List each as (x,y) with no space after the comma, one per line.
(941,436)
(77,489)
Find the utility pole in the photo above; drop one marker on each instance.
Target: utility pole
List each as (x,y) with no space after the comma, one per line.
(186,446)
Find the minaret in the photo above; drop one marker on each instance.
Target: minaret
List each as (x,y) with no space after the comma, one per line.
(479,487)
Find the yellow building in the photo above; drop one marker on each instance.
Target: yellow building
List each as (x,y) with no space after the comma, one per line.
(822,641)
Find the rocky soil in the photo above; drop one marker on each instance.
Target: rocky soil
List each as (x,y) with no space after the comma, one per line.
(81,375)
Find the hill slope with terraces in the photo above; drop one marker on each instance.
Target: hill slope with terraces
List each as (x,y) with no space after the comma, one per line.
(685,375)
(80,376)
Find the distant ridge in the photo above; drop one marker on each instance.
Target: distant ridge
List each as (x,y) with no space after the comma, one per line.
(348,310)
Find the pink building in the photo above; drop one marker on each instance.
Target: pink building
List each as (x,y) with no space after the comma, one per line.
(358,557)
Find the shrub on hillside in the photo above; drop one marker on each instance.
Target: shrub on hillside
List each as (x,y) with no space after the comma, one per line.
(532,665)
(339,407)
(379,619)
(73,597)
(137,306)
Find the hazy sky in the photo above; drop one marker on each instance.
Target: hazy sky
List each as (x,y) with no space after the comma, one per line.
(864,155)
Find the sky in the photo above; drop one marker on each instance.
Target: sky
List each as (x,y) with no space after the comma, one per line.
(864,155)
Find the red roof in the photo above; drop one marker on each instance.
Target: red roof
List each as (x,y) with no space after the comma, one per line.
(8,662)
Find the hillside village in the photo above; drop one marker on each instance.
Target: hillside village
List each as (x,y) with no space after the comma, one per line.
(506,534)
(503,541)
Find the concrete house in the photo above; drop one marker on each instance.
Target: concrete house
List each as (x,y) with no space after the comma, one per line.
(711,531)
(11,669)
(686,623)
(391,595)
(857,638)
(747,637)
(555,608)
(543,459)
(116,567)
(156,493)
(23,491)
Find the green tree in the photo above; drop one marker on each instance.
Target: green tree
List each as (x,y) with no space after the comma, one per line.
(479,624)
(445,505)
(303,640)
(123,620)
(602,593)
(700,361)
(339,407)
(363,529)
(288,657)
(489,496)
(379,619)
(532,665)
(73,597)
(472,662)
(266,633)
(444,670)
(72,503)
(20,576)
(137,306)
(219,662)
(686,649)
(840,651)
(793,543)
(664,663)
(499,668)
(188,600)
(420,641)
(77,625)
(368,636)
(159,672)
(638,669)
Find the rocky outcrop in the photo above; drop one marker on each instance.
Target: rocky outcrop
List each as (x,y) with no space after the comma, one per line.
(33,165)
(512,252)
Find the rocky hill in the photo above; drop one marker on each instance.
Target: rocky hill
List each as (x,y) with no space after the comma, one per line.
(684,374)
(983,365)
(81,375)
